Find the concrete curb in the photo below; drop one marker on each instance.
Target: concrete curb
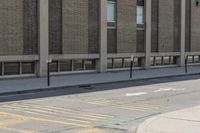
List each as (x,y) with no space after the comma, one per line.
(79,85)
(142,127)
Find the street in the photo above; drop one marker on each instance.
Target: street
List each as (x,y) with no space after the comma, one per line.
(104,108)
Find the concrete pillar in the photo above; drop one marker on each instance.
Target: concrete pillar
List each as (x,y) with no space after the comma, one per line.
(182,48)
(43,36)
(148,34)
(103,36)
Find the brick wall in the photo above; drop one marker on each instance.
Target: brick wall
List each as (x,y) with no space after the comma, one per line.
(11,27)
(166,26)
(126,26)
(75,26)
(195,28)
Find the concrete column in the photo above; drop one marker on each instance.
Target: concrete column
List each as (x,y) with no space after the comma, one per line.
(103,36)
(182,48)
(148,34)
(43,36)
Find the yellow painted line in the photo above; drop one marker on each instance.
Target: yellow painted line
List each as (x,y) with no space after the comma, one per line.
(61,110)
(64,112)
(39,113)
(95,114)
(35,113)
(116,106)
(48,120)
(17,130)
(126,105)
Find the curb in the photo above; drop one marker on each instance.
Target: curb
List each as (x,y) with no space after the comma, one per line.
(87,84)
(142,127)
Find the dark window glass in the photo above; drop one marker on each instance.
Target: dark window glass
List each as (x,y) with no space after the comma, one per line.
(11,68)
(53,66)
(127,62)
(158,61)
(173,60)
(137,62)
(118,63)
(90,64)
(0,68)
(28,68)
(110,63)
(66,65)
(78,65)
(166,60)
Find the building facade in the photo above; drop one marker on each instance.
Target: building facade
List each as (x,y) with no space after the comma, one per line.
(96,35)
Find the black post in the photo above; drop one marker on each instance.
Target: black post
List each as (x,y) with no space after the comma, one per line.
(48,75)
(131,69)
(186,61)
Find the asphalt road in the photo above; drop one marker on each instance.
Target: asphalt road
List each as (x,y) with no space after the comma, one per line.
(106,108)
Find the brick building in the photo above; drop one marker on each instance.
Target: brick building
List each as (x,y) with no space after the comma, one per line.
(96,35)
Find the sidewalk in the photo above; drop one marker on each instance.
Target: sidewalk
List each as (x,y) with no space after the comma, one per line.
(12,86)
(183,121)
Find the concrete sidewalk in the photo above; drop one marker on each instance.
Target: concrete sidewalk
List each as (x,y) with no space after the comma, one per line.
(35,84)
(183,121)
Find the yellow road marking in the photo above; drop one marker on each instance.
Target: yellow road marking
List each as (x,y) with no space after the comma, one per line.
(102,115)
(17,130)
(68,119)
(31,112)
(136,107)
(65,111)
(46,120)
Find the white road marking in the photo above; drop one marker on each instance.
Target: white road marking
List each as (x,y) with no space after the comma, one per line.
(136,94)
(169,89)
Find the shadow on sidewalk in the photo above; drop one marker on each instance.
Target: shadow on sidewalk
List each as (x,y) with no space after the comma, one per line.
(91,88)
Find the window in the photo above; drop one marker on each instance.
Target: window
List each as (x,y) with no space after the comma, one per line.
(90,64)
(53,67)
(196,59)
(110,63)
(118,63)
(78,65)
(28,67)
(140,15)
(166,60)
(152,61)
(158,61)
(66,65)
(127,62)
(111,11)
(11,68)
